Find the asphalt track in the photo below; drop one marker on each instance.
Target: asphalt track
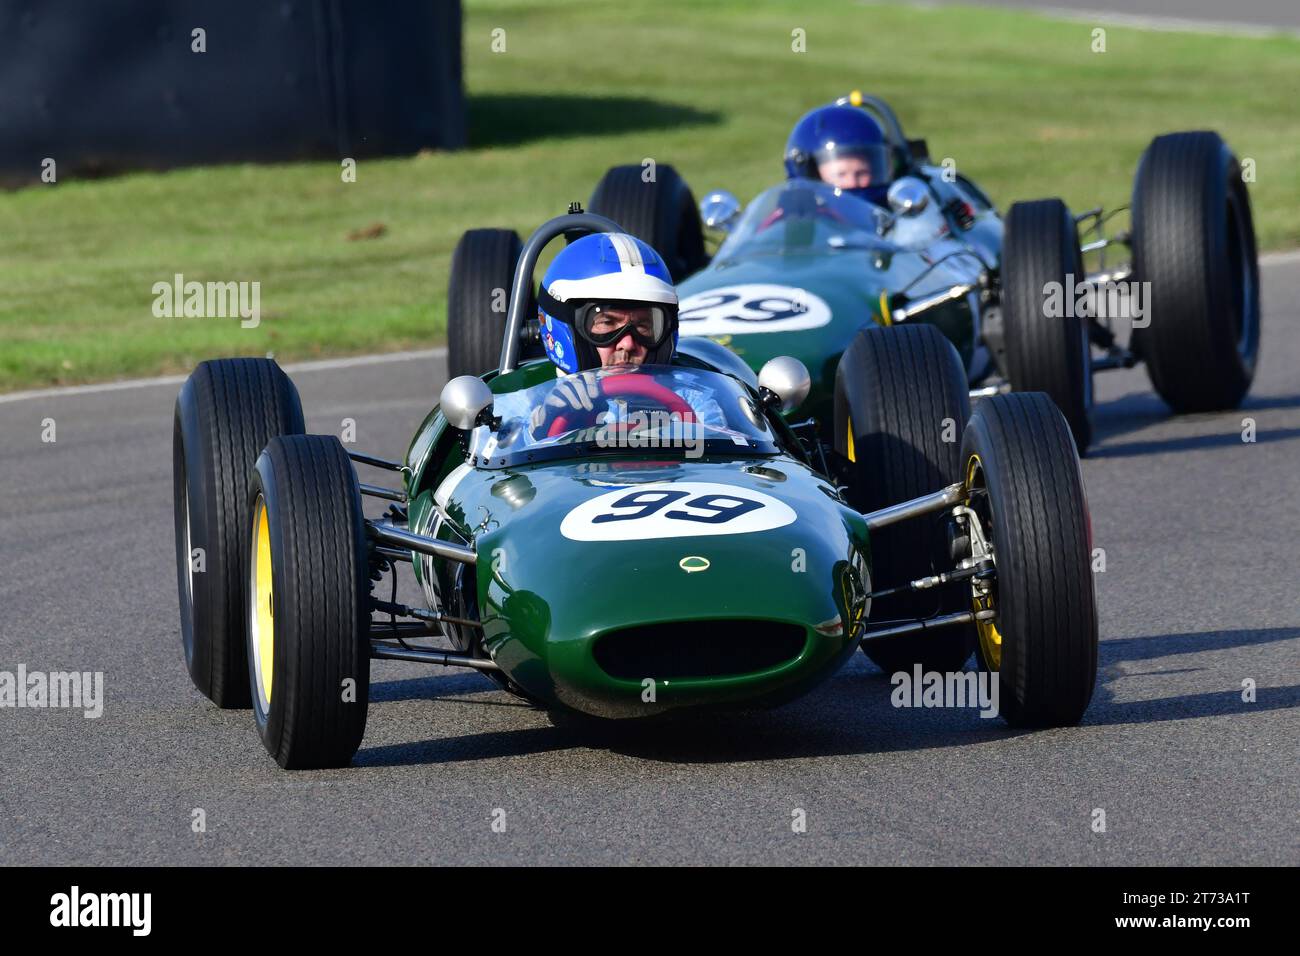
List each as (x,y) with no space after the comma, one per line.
(1199,594)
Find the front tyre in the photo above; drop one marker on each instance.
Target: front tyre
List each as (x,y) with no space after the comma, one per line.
(1023,481)
(307,603)
(901,400)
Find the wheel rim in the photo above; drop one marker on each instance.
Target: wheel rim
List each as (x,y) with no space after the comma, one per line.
(261,612)
(987,633)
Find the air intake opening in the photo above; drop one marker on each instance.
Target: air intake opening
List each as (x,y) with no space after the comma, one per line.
(698,649)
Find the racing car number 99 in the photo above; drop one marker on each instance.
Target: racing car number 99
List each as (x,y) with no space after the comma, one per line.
(674,510)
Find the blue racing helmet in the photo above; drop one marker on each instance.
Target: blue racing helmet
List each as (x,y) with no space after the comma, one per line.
(601,288)
(831,133)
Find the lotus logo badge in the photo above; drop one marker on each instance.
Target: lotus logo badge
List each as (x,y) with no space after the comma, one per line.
(693,563)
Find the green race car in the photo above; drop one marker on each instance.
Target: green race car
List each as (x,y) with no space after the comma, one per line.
(704,553)
(807,265)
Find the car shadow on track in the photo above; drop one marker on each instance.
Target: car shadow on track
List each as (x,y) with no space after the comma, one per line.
(851,714)
(1187,706)
(456,683)
(1229,439)
(1195,642)
(1140,410)
(1105,711)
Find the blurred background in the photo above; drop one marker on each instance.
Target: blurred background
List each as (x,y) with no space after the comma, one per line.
(226,164)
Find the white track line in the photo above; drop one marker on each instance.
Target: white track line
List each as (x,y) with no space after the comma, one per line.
(322,365)
(319,365)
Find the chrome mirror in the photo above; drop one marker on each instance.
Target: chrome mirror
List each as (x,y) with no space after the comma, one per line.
(718,210)
(463,400)
(788,379)
(908,196)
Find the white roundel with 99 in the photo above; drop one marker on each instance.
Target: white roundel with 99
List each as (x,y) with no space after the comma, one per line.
(674,509)
(750,308)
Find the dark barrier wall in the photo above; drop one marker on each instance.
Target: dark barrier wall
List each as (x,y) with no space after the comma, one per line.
(114,85)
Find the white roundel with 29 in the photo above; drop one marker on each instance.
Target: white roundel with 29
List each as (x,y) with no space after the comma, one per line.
(674,509)
(753,307)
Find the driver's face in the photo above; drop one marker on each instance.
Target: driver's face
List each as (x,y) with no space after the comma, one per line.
(846,172)
(626,350)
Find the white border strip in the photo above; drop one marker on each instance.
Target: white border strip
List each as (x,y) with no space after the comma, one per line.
(318,365)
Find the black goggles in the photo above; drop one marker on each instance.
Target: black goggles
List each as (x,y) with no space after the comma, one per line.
(606,322)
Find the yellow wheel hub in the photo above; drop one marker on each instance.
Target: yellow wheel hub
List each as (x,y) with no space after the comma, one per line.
(262,613)
(990,638)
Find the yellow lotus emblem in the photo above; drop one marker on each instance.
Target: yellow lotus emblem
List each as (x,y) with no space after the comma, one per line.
(693,563)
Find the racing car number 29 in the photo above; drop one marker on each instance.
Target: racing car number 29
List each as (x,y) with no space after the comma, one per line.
(754,307)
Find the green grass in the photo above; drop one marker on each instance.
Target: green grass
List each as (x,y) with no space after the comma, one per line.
(1018,101)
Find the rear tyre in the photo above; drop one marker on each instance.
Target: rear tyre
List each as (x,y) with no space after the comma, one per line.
(307,601)
(901,400)
(478,297)
(1046,353)
(1022,472)
(226,412)
(661,212)
(1194,241)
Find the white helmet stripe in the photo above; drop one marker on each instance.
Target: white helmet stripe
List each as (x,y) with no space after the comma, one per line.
(629,256)
(633,287)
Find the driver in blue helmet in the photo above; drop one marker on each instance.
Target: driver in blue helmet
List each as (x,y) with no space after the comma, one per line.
(844,147)
(608,300)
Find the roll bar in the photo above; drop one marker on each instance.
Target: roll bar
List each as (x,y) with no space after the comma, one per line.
(893,128)
(581,222)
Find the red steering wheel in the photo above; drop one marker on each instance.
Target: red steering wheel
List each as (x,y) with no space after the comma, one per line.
(641,386)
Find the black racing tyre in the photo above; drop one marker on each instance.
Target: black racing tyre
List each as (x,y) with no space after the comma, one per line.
(901,400)
(307,600)
(1023,475)
(478,297)
(227,410)
(661,212)
(1194,242)
(1046,353)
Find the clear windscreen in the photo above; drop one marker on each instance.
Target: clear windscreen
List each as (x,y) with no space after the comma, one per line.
(649,410)
(804,215)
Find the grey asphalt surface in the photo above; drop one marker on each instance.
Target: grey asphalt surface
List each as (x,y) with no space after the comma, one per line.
(1199,594)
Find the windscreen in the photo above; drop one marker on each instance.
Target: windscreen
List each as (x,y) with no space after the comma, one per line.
(649,410)
(803,215)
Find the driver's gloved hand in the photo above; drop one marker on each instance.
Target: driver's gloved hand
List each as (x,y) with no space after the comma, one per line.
(576,395)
